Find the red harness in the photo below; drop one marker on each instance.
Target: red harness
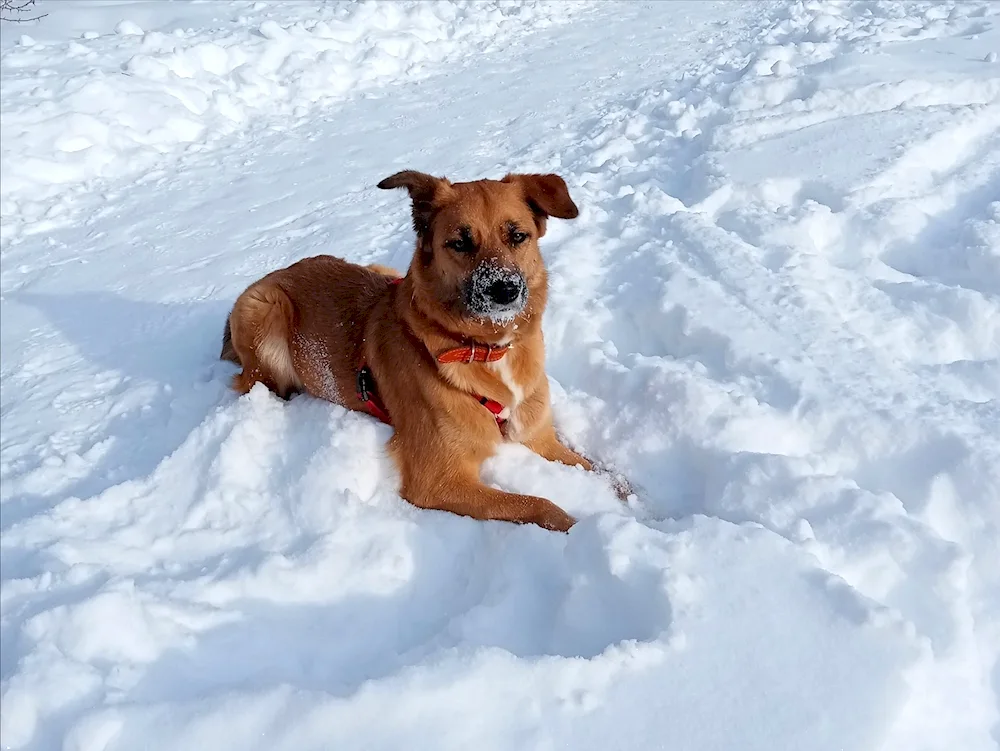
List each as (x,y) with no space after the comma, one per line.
(368,389)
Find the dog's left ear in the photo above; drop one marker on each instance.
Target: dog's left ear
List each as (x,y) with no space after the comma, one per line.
(547,195)
(423,190)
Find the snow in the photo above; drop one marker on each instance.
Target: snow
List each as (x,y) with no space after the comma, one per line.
(111,105)
(778,314)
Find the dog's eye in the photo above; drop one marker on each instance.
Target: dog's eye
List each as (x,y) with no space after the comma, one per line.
(517,237)
(462,245)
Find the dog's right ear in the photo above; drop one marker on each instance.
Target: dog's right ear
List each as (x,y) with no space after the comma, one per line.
(422,189)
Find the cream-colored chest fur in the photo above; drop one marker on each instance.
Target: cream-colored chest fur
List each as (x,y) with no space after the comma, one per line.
(502,370)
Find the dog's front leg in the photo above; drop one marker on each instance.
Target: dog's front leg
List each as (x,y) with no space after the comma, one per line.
(483,502)
(535,430)
(548,446)
(540,436)
(460,491)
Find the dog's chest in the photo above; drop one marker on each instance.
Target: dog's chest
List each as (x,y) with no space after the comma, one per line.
(502,369)
(506,380)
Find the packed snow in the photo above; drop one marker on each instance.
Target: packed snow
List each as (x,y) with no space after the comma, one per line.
(778,315)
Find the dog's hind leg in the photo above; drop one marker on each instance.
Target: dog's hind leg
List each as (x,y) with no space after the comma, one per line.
(260,328)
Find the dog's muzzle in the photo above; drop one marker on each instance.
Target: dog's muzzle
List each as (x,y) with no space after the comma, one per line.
(496,292)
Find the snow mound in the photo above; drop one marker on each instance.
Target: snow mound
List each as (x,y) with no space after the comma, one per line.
(117,105)
(561,620)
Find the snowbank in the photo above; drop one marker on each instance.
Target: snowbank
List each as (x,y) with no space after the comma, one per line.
(116,103)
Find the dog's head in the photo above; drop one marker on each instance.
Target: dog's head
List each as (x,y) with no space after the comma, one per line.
(477,260)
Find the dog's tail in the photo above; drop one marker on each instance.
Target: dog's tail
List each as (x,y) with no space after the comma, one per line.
(228,351)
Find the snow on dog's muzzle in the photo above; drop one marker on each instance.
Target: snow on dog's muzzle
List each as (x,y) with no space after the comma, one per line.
(495,292)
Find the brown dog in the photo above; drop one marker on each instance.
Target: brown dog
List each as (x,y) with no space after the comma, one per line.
(451,354)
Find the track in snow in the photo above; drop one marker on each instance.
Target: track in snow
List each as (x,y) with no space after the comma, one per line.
(778,313)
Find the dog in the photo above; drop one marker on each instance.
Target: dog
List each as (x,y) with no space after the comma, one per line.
(451,354)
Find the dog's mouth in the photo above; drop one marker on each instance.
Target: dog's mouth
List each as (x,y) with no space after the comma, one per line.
(496,293)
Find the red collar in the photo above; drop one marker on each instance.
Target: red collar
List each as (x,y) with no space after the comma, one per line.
(474,353)
(368,391)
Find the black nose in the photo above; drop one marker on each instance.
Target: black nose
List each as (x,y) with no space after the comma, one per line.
(504,291)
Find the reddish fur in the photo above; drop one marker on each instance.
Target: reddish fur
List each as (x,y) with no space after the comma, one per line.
(331,314)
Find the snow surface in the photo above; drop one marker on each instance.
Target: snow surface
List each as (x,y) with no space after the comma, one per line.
(778,314)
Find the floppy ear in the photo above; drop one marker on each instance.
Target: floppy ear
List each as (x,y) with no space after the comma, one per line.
(422,189)
(547,195)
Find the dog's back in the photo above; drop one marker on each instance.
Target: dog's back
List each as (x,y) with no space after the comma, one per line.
(301,328)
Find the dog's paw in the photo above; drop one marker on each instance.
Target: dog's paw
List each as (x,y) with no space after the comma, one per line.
(622,487)
(554,518)
(619,482)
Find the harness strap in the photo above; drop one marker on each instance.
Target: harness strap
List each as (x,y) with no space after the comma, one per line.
(495,407)
(369,397)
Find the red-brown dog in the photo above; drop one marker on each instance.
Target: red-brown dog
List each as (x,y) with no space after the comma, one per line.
(451,354)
